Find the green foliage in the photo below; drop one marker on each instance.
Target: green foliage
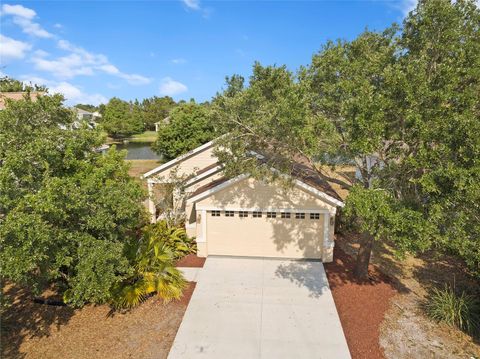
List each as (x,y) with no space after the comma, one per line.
(441,87)
(457,310)
(8,84)
(152,258)
(121,118)
(189,126)
(402,104)
(377,212)
(173,239)
(66,211)
(87,107)
(156,109)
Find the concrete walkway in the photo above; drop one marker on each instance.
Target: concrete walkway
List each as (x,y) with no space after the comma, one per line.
(190,273)
(260,308)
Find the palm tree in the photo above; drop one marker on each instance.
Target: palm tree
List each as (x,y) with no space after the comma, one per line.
(154,271)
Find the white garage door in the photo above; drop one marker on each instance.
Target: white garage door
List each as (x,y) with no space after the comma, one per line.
(265,234)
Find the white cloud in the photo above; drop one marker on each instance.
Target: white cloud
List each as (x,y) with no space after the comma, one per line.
(41,53)
(80,62)
(31,28)
(178,61)
(192,4)
(18,10)
(134,79)
(73,94)
(58,26)
(23,17)
(12,49)
(170,87)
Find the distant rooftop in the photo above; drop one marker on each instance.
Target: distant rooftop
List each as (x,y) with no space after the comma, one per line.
(16,96)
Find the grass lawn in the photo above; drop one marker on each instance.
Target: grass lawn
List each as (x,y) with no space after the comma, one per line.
(147,136)
(139,167)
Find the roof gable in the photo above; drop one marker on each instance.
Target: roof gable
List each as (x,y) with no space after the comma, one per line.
(223,183)
(178,160)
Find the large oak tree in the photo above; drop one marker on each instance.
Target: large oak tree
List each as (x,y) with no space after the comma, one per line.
(66,211)
(403,105)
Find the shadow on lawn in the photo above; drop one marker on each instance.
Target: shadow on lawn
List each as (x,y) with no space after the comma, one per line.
(23,320)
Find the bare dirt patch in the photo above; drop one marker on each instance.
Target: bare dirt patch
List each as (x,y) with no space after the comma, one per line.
(406,331)
(361,305)
(31,330)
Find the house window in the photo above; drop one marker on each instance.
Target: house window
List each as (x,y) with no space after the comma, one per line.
(285,215)
(215,213)
(256,214)
(314,215)
(229,213)
(299,215)
(242,214)
(271,215)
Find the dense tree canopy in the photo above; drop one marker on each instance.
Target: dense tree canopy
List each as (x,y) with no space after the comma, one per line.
(66,211)
(121,118)
(156,109)
(188,127)
(402,104)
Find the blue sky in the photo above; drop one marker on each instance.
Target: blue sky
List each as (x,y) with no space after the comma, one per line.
(93,50)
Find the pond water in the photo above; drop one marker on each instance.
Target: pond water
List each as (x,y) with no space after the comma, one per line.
(138,151)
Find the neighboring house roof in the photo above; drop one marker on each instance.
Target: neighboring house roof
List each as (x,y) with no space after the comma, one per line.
(166,120)
(16,96)
(179,159)
(80,111)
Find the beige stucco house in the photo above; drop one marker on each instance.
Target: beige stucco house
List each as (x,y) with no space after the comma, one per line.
(243,216)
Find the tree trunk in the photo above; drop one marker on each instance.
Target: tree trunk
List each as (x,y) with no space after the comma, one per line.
(363,256)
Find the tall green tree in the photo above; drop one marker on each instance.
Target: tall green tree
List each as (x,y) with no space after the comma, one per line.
(121,118)
(188,127)
(66,211)
(441,88)
(402,104)
(156,109)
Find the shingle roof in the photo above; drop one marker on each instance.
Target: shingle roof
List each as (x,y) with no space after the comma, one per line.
(301,171)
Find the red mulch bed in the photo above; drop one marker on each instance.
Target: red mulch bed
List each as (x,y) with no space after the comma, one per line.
(361,305)
(191,261)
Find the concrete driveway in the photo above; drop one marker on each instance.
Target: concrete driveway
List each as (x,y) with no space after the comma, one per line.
(260,308)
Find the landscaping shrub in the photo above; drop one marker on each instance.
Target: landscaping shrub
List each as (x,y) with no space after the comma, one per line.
(153,258)
(458,310)
(171,238)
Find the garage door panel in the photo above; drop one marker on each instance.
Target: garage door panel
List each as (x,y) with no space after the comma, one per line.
(265,237)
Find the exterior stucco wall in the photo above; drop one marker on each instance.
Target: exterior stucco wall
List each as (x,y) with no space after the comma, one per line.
(273,237)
